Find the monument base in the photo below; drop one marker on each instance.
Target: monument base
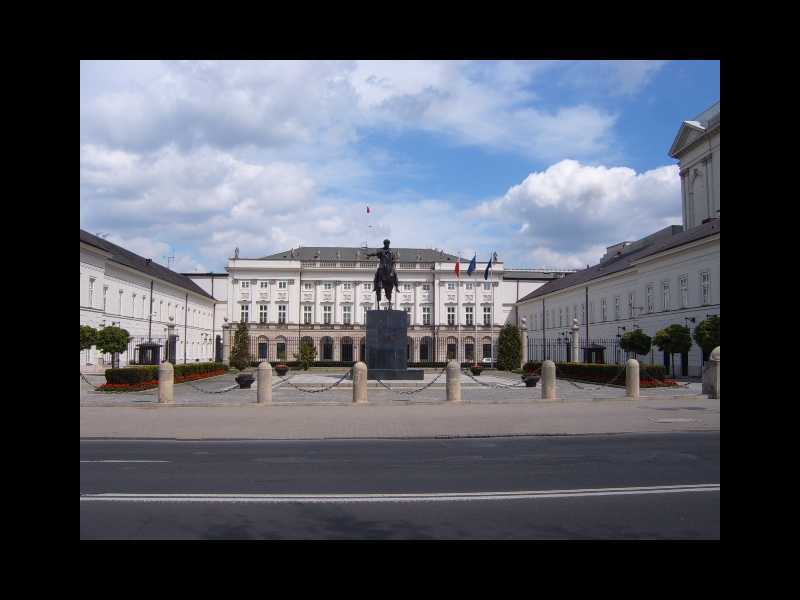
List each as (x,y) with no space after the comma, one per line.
(395,374)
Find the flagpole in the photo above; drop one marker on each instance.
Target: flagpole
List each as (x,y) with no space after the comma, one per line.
(491,312)
(458,310)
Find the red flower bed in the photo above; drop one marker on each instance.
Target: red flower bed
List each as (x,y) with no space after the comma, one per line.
(148,385)
(651,383)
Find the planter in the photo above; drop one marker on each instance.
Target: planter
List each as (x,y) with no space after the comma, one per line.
(245,380)
(530,380)
(476,370)
(281,370)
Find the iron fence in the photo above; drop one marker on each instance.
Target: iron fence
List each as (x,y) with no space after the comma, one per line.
(596,350)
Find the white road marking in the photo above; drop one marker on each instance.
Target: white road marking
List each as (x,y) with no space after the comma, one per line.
(431,497)
(125,461)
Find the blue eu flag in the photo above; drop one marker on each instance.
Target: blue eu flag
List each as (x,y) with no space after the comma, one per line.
(489,266)
(471,268)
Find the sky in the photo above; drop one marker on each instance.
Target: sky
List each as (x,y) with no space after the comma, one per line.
(544,162)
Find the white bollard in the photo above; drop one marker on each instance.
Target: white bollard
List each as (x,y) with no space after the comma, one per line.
(711,375)
(632,379)
(166,382)
(360,383)
(264,394)
(548,380)
(453,384)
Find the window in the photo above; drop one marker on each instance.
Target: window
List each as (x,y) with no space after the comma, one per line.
(451,315)
(469,286)
(328,285)
(560,318)
(470,315)
(684,281)
(346,314)
(583,312)
(617,309)
(244,316)
(603,312)
(451,285)
(144,300)
(327,311)
(133,305)
(262,313)
(631,302)
(426,315)
(307,314)
(91,291)
(406,287)
(705,287)
(105,298)
(281,285)
(245,285)
(367,286)
(487,286)
(347,285)
(591,312)
(307,286)
(487,315)
(650,302)
(408,312)
(281,313)
(263,284)
(665,294)
(161,310)
(426,287)
(574,313)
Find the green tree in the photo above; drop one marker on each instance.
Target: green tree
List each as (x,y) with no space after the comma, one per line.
(240,353)
(112,340)
(509,348)
(674,339)
(636,341)
(307,354)
(706,334)
(88,337)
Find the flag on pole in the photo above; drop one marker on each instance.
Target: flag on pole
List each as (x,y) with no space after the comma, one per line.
(458,267)
(471,268)
(368,210)
(488,266)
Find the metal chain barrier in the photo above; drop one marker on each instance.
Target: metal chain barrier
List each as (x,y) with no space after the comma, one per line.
(600,385)
(415,390)
(280,381)
(323,389)
(228,389)
(496,385)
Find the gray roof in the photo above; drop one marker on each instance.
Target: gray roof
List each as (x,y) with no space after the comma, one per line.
(659,241)
(358,254)
(152,269)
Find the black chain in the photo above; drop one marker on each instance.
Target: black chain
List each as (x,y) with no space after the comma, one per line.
(599,385)
(495,385)
(323,389)
(212,391)
(414,391)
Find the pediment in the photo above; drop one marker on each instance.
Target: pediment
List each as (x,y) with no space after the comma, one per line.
(688,133)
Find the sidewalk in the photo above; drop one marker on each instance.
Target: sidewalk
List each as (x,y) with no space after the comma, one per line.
(288,421)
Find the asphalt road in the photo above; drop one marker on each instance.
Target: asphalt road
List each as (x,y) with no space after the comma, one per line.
(649,486)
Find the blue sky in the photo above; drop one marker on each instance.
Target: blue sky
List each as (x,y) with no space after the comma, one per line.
(545,162)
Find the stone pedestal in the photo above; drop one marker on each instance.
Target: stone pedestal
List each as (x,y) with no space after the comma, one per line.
(711,375)
(387,337)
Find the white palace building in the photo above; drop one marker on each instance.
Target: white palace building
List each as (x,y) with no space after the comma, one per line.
(671,276)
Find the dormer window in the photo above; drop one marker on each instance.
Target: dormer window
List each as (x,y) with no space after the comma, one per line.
(327,286)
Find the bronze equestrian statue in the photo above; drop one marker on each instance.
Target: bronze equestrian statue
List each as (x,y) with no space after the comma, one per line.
(385,276)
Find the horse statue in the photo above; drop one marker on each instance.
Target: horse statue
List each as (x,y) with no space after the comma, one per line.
(385,276)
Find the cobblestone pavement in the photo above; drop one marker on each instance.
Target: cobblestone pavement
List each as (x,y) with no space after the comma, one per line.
(285,394)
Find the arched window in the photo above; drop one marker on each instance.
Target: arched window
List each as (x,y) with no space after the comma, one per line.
(362,350)
(347,349)
(452,346)
(263,348)
(426,349)
(486,342)
(327,348)
(469,349)
(280,347)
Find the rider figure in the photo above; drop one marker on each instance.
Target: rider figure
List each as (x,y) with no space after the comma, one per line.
(385,276)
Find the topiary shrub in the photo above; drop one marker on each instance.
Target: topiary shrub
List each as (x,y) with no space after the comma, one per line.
(88,337)
(240,353)
(636,341)
(674,339)
(706,335)
(509,348)
(112,340)
(306,355)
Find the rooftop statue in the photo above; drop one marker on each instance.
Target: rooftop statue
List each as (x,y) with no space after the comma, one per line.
(385,276)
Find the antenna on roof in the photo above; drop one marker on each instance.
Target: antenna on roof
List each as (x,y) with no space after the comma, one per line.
(170,259)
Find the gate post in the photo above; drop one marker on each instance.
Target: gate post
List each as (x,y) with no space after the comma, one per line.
(166,380)
(548,380)
(226,344)
(453,385)
(264,383)
(711,375)
(360,383)
(632,379)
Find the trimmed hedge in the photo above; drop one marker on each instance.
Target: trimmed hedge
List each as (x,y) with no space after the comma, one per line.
(141,374)
(599,373)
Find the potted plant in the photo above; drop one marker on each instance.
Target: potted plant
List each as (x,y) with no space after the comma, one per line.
(245,380)
(476,369)
(528,375)
(281,369)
